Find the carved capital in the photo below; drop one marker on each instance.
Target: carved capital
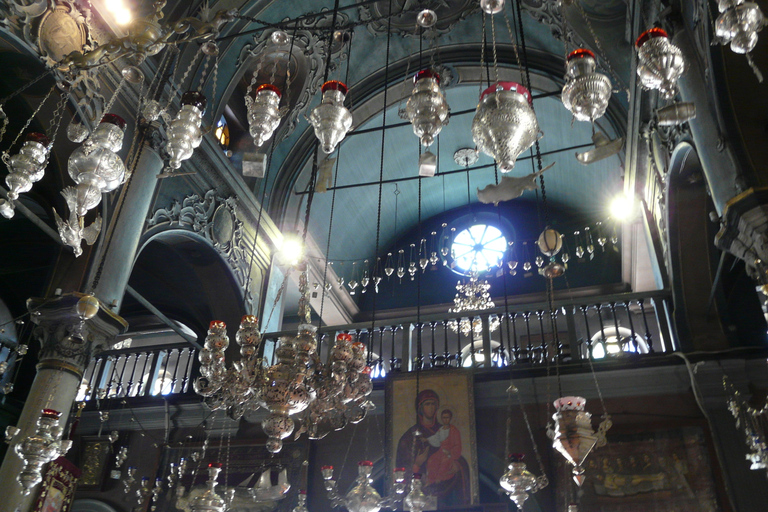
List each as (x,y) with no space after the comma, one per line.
(67,339)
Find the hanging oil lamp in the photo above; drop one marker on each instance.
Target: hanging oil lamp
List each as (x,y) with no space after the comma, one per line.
(517,481)
(24,169)
(184,132)
(416,500)
(550,242)
(738,24)
(427,110)
(331,119)
(263,113)
(660,63)
(504,124)
(210,501)
(586,92)
(363,497)
(39,449)
(573,435)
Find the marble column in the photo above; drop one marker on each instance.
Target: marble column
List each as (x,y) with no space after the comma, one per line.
(68,337)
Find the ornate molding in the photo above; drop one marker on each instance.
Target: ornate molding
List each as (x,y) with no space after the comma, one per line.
(67,341)
(215,219)
(308,58)
(449,13)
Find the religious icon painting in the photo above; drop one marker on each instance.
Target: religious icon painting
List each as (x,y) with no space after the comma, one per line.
(431,431)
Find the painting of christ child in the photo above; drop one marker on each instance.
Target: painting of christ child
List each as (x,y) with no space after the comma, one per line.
(439,446)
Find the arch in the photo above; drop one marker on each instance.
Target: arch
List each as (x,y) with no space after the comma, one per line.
(184,276)
(690,252)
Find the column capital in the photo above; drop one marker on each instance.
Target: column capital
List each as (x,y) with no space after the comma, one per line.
(68,338)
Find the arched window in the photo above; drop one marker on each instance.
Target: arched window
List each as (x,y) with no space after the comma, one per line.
(478,248)
(222,133)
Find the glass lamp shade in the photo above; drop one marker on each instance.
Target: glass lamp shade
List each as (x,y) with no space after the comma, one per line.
(550,242)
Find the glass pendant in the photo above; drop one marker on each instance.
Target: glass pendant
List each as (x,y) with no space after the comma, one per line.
(586,92)
(24,169)
(504,124)
(423,260)
(660,63)
(388,268)
(331,120)
(184,132)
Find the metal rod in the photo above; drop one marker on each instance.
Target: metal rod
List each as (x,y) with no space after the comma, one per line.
(160,316)
(457,171)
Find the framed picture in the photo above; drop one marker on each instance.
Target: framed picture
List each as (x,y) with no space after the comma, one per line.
(58,487)
(444,451)
(94,455)
(664,471)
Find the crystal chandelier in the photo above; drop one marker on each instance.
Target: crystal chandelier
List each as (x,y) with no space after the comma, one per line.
(660,63)
(38,449)
(586,92)
(297,380)
(331,119)
(738,24)
(24,169)
(573,435)
(517,481)
(363,497)
(472,296)
(504,124)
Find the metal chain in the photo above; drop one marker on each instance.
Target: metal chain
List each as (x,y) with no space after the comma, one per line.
(183,77)
(6,156)
(493,41)
(482,57)
(55,125)
(381,160)
(111,101)
(513,40)
(333,196)
(132,149)
(599,45)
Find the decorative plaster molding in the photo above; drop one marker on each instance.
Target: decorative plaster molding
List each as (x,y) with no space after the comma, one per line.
(215,219)
(449,13)
(308,55)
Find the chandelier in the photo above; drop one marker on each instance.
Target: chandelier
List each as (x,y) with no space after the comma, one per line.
(333,394)
(473,295)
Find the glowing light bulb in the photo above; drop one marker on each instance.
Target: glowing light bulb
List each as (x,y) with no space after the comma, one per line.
(291,250)
(119,11)
(622,207)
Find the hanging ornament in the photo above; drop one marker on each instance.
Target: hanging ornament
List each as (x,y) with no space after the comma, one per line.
(416,500)
(660,63)
(184,132)
(427,111)
(39,449)
(492,6)
(352,282)
(573,435)
(401,264)
(586,92)
(301,506)
(210,501)
(388,268)
(263,113)
(423,260)
(504,124)
(426,18)
(550,242)
(97,169)
(129,480)
(590,242)
(76,132)
(365,279)
(363,497)
(579,247)
(517,481)
(24,169)
(738,24)
(331,119)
